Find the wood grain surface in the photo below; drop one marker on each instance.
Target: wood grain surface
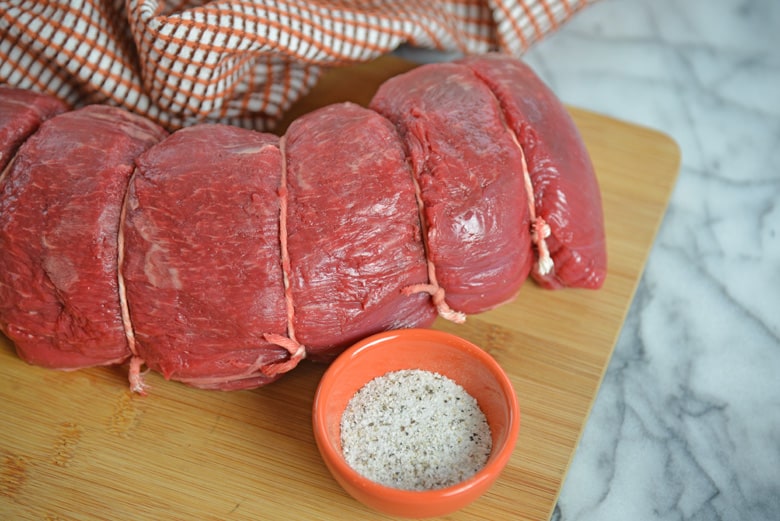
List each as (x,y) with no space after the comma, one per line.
(79,445)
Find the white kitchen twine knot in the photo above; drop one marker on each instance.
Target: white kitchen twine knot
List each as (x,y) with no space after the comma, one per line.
(297,353)
(540,230)
(437,294)
(136,376)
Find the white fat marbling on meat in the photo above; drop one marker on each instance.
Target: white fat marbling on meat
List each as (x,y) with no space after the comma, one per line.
(158,270)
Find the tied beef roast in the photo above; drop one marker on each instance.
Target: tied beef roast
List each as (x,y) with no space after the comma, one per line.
(221,257)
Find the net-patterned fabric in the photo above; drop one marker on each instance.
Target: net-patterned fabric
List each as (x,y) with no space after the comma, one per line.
(181,62)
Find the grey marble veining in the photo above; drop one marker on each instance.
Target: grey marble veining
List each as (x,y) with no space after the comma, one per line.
(686,425)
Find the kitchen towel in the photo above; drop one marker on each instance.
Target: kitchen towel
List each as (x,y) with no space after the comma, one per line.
(181,62)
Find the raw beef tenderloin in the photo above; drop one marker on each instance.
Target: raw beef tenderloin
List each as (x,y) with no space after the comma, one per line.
(466,168)
(228,255)
(201,258)
(353,231)
(21,112)
(59,216)
(566,195)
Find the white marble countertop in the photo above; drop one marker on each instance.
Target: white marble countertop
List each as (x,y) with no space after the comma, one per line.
(687,422)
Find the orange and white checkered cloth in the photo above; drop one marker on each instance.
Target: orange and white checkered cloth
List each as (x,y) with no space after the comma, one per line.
(181,62)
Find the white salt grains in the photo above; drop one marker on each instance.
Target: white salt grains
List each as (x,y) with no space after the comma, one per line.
(415,430)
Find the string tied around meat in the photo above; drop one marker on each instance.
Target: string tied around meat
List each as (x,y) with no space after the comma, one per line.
(297,353)
(437,294)
(540,230)
(136,376)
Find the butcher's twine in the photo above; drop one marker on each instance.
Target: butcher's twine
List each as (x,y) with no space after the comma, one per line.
(181,62)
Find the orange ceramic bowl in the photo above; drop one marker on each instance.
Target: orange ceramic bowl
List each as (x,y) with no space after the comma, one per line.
(431,350)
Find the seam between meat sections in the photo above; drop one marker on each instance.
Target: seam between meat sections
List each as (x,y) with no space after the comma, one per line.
(289,342)
(433,288)
(8,165)
(540,230)
(135,375)
(7,168)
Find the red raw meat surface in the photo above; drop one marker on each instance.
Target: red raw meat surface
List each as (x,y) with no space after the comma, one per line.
(59,217)
(566,191)
(467,168)
(220,256)
(202,257)
(353,230)
(21,112)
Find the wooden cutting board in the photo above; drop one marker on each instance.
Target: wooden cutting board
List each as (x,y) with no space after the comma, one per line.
(79,445)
